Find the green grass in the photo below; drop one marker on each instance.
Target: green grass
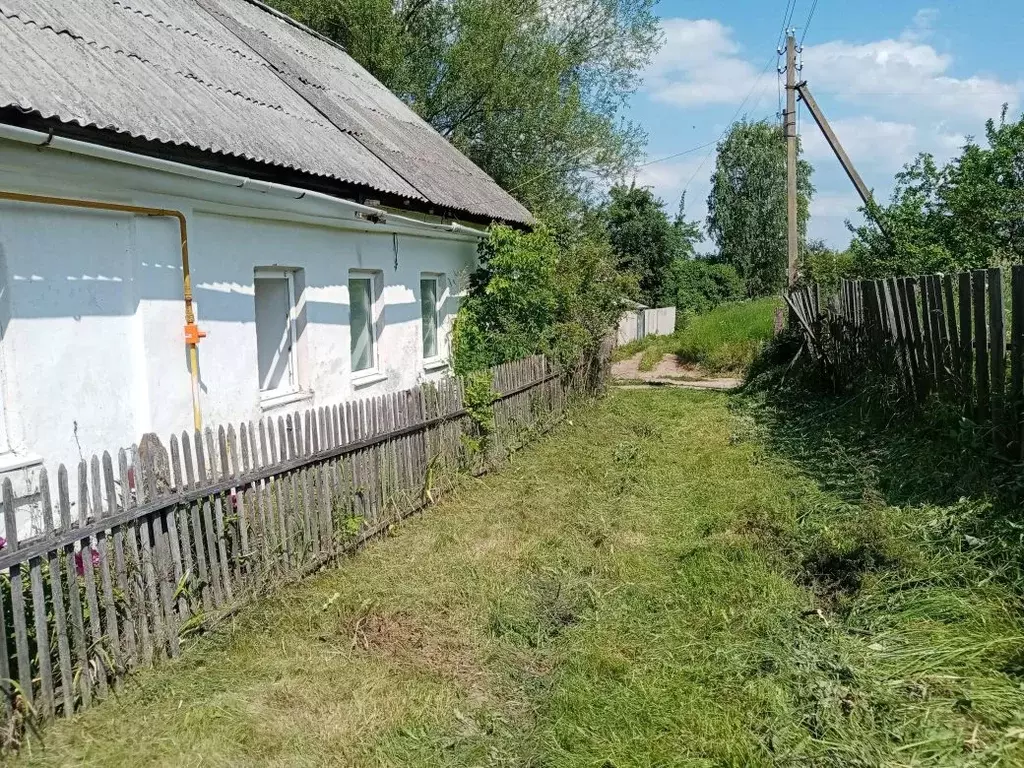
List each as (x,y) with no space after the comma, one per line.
(665,581)
(725,340)
(729,337)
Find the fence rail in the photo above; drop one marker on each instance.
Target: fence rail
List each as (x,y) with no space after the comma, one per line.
(942,335)
(141,549)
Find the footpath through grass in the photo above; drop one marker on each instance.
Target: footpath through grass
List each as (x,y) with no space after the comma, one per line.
(725,340)
(667,582)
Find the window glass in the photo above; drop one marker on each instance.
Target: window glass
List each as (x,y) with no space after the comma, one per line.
(275,344)
(428,310)
(360,291)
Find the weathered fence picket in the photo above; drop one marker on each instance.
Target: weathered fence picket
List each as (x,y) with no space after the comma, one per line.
(141,558)
(943,334)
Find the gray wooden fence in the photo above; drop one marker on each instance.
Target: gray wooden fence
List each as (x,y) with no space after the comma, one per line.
(145,547)
(952,336)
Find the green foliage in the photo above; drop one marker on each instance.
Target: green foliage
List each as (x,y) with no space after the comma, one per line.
(529,91)
(747,204)
(824,266)
(965,215)
(725,340)
(728,338)
(479,398)
(540,292)
(645,242)
(700,285)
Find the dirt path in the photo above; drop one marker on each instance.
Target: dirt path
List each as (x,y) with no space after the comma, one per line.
(668,373)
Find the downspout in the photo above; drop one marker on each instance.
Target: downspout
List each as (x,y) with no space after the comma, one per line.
(192,332)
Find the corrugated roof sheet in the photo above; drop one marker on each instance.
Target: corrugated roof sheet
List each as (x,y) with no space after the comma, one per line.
(227,77)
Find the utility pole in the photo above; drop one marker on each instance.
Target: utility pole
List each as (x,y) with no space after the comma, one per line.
(793,225)
(844,159)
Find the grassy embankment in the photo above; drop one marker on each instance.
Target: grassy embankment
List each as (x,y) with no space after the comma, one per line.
(669,581)
(723,341)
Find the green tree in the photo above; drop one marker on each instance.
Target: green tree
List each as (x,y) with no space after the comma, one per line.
(643,239)
(747,204)
(967,214)
(824,266)
(529,90)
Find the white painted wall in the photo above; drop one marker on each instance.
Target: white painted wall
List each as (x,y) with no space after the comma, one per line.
(637,324)
(91,313)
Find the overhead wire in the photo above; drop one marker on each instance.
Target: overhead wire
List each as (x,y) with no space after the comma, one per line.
(736,114)
(787,18)
(807,24)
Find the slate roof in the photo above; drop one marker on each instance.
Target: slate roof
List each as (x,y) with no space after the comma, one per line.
(232,78)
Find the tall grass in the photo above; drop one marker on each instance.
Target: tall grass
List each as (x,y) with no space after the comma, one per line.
(729,337)
(725,340)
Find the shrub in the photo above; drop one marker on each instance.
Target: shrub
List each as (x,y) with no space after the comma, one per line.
(700,285)
(546,292)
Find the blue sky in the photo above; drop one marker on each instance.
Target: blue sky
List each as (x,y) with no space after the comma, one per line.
(894,77)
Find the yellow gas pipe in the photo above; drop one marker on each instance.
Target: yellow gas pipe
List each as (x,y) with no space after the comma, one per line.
(192,332)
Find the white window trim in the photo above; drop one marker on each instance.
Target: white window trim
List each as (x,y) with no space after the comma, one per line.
(439,360)
(270,398)
(374,373)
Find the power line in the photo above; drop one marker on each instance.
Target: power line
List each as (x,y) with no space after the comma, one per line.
(728,127)
(677,154)
(787,17)
(807,24)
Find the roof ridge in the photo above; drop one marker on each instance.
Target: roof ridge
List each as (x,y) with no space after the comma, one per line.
(296,23)
(68,32)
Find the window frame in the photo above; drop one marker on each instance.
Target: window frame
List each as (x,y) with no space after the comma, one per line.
(373,373)
(438,358)
(294,386)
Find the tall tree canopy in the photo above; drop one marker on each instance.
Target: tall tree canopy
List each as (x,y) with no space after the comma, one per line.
(747,204)
(644,241)
(530,90)
(964,215)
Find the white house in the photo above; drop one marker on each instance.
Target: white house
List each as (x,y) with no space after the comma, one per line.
(328,230)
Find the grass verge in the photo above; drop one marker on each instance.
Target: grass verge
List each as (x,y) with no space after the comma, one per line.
(666,582)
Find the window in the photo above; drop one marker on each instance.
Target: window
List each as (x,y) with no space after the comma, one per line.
(428,313)
(275,331)
(363,331)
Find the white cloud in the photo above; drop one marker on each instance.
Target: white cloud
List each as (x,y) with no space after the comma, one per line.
(839,206)
(923,25)
(698,65)
(904,77)
(866,140)
(670,178)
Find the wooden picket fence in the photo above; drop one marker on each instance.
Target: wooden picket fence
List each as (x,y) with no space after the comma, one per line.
(952,336)
(144,548)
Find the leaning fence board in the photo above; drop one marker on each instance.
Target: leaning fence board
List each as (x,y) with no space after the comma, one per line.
(112,635)
(18,620)
(997,356)
(137,594)
(60,622)
(82,666)
(951,328)
(965,296)
(45,702)
(981,346)
(1017,355)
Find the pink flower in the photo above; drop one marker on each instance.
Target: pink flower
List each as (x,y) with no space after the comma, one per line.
(3,542)
(80,564)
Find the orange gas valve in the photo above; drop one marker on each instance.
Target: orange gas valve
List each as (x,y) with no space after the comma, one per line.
(193,334)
